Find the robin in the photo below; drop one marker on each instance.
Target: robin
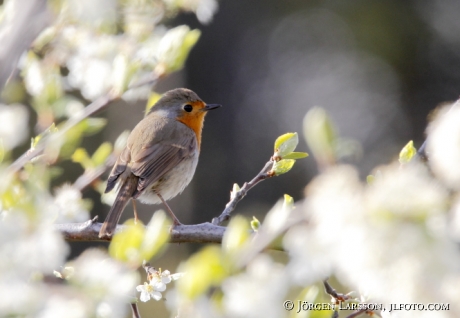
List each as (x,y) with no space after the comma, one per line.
(161,155)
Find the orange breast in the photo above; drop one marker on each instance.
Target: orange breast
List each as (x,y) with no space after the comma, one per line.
(195,119)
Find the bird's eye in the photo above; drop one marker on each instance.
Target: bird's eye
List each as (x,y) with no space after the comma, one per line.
(188,108)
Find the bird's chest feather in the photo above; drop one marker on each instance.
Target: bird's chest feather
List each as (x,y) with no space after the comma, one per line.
(173,182)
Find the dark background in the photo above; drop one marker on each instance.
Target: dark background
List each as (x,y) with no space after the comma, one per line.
(378,68)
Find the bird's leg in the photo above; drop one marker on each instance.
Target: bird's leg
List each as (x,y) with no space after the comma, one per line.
(136,218)
(174,217)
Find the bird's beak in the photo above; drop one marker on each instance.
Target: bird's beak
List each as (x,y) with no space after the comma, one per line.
(211,106)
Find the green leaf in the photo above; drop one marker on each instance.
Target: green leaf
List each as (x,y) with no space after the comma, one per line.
(81,156)
(311,296)
(156,235)
(370,179)
(255,224)
(101,154)
(236,235)
(50,130)
(137,243)
(175,46)
(234,191)
(55,171)
(288,202)
(320,135)
(92,125)
(72,139)
(125,244)
(296,155)
(407,153)
(203,270)
(285,144)
(153,99)
(282,166)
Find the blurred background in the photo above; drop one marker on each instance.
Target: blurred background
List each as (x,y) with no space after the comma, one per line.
(378,67)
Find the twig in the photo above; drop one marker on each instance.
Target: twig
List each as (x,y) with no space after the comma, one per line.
(263,174)
(337,296)
(135,310)
(197,233)
(421,152)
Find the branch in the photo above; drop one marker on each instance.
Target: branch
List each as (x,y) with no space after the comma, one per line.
(197,233)
(263,174)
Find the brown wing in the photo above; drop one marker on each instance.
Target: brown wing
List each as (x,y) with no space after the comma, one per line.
(118,169)
(152,161)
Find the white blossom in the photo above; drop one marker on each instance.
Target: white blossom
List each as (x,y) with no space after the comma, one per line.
(148,290)
(388,240)
(105,280)
(69,205)
(13,125)
(444,145)
(256,292)
(156,285)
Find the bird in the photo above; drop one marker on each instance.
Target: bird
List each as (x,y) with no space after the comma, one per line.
(160,156)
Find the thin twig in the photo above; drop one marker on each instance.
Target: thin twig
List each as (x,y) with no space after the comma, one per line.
(135,310)
(339,298)
(263,174)
(333,293)
(421,152)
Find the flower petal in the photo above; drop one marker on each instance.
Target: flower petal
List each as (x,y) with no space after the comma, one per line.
(159,286)
(145,296)
(176,276)
(156,295)
(166,279)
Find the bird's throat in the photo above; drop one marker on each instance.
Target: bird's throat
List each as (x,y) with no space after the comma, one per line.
(194,122)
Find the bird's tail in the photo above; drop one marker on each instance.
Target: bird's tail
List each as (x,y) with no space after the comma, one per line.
(126,191)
